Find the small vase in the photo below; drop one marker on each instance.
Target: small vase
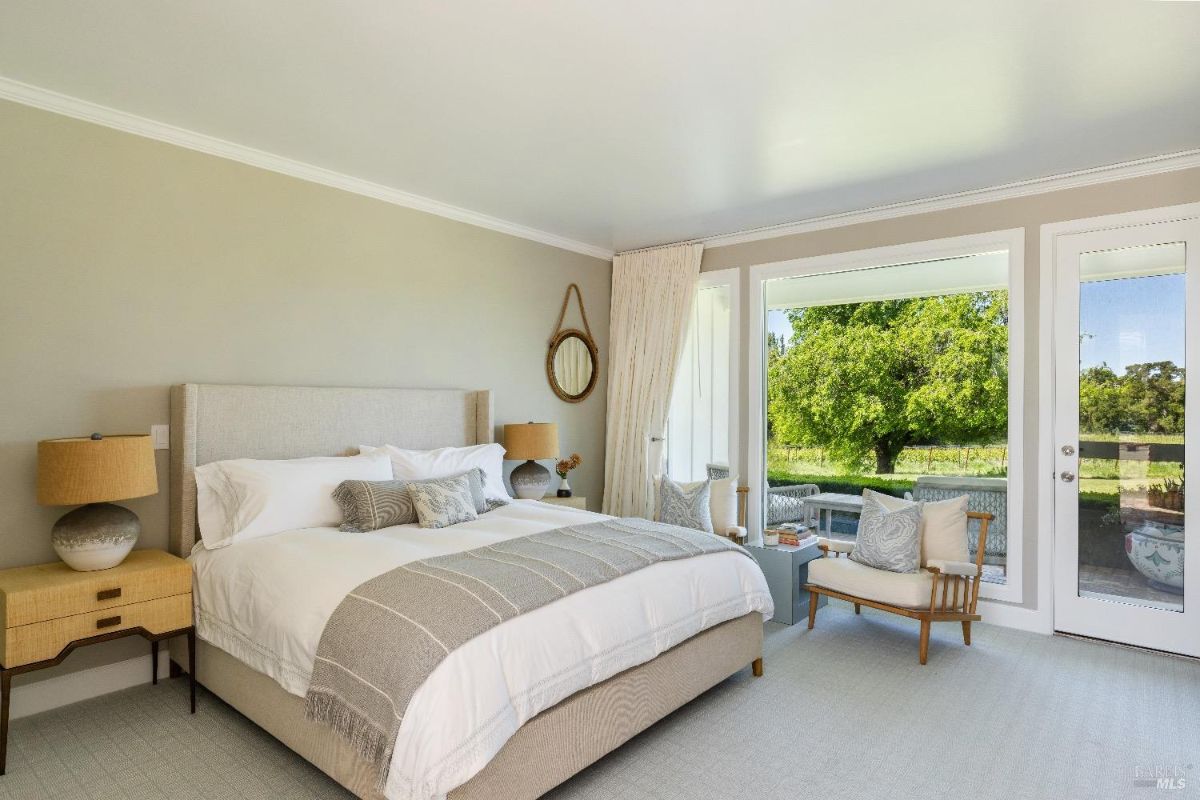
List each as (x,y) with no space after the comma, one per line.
(564,489)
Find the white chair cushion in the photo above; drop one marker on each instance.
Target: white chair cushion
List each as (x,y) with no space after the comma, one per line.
(904,589)
(943,526)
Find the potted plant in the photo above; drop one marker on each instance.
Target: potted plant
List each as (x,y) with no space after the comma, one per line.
(564,466)
(1168,494)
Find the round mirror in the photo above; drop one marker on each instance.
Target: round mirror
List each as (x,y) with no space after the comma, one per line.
(571,365)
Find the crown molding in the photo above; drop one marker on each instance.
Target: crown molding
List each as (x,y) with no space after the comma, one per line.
(1067,180)
(67,105)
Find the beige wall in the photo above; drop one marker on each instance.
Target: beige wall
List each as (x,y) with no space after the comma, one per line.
(1027,212)
(129,265)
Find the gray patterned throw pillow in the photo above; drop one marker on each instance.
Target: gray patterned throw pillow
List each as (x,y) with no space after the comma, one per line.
(443,502)
(371,505)
(684,504)
(889,540)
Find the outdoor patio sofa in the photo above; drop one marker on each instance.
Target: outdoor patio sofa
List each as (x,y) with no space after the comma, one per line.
(784,503)
(986,496)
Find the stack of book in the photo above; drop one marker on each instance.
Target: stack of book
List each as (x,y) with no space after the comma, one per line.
(794,537)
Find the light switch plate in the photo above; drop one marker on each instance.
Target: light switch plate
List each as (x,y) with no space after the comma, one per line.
(161,434)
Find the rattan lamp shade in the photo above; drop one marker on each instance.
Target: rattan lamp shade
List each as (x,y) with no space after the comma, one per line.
(530,441)
(86,470)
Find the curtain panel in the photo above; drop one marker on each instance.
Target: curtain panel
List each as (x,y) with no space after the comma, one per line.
(652,293)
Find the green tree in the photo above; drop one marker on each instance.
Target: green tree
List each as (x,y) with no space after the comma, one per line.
(866,379)
(1148,398)
(1100,400)
(1154,395)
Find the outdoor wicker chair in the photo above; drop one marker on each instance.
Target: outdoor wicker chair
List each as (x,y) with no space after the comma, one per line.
(784,503)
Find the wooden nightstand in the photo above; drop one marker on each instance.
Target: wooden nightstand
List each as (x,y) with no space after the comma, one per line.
(49,610)
(572,502)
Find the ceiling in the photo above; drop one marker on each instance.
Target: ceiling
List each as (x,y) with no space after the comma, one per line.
(626,123)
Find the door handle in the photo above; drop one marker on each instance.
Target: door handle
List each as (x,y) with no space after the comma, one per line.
(1066,476)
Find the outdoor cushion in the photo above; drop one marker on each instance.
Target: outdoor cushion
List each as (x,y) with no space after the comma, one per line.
(904,589)
(943,525)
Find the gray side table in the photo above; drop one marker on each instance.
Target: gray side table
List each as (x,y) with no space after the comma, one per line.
(786,570)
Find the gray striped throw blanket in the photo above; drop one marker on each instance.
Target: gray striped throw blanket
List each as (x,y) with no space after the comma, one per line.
(388,634)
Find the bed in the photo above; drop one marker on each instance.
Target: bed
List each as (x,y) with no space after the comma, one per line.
(547,744)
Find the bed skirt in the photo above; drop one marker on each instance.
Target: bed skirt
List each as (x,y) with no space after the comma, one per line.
(546,751)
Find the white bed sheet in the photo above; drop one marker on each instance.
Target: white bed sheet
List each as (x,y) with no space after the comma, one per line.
(266,602)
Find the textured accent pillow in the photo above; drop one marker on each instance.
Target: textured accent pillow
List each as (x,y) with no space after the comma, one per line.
(443,502)
(943,525)
(684,504)
(371,505)
(889,540)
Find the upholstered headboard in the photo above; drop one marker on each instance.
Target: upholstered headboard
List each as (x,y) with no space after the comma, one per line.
(211,422)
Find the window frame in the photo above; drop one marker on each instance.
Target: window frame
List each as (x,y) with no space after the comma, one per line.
(1012,240)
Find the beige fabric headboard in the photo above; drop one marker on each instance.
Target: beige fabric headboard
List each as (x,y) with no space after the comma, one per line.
(211,422)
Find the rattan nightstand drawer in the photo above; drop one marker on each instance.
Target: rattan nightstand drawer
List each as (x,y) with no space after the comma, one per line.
(42,640)
(48,591)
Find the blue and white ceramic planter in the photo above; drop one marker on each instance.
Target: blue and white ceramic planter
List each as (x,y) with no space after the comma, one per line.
(1157,553)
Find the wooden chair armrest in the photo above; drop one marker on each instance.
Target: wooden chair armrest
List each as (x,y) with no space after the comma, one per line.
(966,568)
(828,546)
(956,577)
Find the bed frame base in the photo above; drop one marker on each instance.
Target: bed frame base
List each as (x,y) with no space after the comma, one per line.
(546,751)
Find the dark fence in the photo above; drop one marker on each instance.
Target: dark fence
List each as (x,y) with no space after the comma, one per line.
(1134,451)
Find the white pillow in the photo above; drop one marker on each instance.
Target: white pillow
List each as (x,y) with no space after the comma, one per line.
(246,498)
(723,504)
(422,465)
(943,525)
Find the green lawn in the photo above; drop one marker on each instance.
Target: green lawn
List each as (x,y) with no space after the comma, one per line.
(1100,480)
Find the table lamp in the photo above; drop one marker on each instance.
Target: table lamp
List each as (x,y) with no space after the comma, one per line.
(530,441)
(91,472)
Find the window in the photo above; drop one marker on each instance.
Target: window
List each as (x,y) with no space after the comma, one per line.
(891,370)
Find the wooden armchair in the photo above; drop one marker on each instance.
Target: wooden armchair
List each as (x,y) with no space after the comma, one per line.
(952,587)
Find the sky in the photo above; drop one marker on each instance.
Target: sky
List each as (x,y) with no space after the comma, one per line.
(1132,321)
(1124,321)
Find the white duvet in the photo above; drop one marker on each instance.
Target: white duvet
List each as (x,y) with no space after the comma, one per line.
(266,601)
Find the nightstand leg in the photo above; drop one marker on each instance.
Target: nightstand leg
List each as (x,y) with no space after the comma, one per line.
(154,662)
(5,689)
(191,645)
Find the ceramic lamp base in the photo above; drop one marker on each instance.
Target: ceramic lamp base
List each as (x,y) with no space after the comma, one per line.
(95,536)
(530,481)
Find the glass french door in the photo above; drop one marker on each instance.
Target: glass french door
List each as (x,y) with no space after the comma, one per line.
(1126,427)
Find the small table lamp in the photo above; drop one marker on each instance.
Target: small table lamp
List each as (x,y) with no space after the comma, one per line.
(94,471)
(529,441)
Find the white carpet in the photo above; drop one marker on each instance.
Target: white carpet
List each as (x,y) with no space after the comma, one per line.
(843,711)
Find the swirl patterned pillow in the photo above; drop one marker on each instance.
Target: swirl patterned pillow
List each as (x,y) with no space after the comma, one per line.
(889,540)
(371,505)
(684,504)
(443,502)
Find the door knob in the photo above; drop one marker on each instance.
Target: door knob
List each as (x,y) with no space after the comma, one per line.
(1068,450)
(1067,476)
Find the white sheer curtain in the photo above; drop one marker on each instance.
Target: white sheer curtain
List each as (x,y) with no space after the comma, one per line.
(652,293)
